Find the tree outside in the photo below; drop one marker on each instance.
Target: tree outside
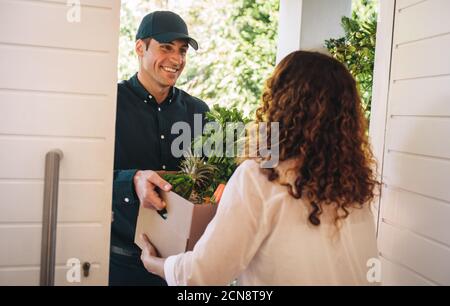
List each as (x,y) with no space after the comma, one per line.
(237,51)
(357,48)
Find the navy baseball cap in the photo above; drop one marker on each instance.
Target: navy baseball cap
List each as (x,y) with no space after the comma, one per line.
(164,27)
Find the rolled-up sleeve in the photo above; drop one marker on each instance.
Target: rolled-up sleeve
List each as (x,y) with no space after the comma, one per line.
(231,239)
(123,187)
(169,272)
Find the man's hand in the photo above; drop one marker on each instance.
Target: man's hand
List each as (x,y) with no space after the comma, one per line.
(146,183)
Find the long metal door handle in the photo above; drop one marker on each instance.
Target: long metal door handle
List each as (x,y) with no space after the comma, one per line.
(49,220)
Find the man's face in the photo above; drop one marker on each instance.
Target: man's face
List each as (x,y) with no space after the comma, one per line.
(164,62)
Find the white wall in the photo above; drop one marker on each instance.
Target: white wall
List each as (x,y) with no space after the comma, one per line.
(306,24)
(414,227)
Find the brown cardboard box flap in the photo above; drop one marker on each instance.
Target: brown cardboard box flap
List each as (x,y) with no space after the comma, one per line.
(201,217)
(184,225)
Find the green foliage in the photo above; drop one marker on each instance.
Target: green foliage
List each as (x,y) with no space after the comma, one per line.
(357,48)
(224,115)
(364,9)
(226,165)
(199,177)
(128,63)
(256,23)
(237,51)
(202,174)
(182,184)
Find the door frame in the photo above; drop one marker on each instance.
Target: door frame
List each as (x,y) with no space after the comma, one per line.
(381,87)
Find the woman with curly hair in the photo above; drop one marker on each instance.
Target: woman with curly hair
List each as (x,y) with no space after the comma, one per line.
(308,220)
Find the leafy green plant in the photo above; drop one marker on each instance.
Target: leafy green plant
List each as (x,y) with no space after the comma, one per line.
(225,165)
(199,176)
(193,180)
(201,173)
(182,184)
(357,51)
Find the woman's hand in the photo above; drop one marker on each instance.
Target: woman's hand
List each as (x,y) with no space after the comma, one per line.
(150,258)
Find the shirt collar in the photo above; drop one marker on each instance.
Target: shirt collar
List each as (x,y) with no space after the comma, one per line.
(144,94)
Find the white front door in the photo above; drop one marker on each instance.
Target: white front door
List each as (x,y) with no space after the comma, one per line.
(57,90)
(414,223)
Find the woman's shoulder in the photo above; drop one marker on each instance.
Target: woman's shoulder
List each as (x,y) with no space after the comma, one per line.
(248,164)
(247,174)
(254,168)
(250,169)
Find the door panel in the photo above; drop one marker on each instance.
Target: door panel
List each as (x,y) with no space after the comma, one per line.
(58,87)
(422,20)
(414,227)
(425,97)
(56,70)
(25,15)
(80,116)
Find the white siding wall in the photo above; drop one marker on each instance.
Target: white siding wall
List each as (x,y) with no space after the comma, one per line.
(414,228)
(57,90)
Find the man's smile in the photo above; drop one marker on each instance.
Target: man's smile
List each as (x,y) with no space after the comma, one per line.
(170,69)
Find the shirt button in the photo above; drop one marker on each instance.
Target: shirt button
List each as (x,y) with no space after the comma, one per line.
(159,108)
(127,200)
(150,97)
(164,166)
(162,136)
(145,101)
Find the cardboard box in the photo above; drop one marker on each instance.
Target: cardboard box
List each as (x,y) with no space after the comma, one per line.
(180,231)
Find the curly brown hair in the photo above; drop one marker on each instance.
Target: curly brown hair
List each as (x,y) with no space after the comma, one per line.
(321,124)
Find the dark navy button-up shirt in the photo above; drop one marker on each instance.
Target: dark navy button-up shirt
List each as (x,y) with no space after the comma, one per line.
(143,142)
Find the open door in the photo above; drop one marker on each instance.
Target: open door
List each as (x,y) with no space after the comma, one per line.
(58,81)
(410,128)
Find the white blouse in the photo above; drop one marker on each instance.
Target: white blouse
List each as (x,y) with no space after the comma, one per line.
(261,236)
